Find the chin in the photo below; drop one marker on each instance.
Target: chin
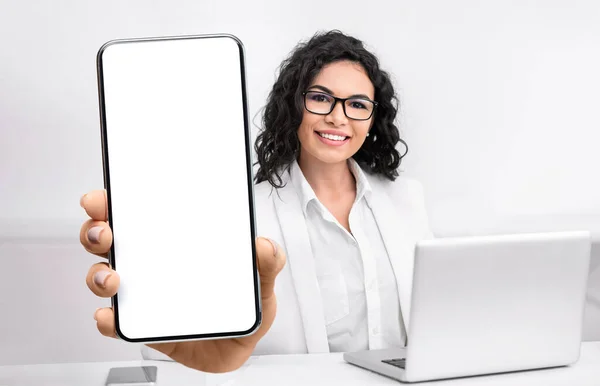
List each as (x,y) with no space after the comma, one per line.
(331,157)
(333,160)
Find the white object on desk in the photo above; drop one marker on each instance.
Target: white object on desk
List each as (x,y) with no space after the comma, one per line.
(490,304)
(331,369)
(95,374)
(293,370)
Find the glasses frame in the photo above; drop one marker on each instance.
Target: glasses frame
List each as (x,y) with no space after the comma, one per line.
(343,101)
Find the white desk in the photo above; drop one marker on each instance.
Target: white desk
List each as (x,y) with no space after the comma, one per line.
(312,370)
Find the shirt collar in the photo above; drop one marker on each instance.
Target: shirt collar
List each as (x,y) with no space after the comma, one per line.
(307,194)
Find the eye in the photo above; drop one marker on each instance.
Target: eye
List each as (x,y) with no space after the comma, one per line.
(318,97)
(357,104)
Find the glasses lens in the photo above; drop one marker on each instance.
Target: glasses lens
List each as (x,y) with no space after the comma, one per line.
(318,103)
(359,108)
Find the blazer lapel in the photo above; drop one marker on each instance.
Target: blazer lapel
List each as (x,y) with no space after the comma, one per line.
(398,240)
(302,266)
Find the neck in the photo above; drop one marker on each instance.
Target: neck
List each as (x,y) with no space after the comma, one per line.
(327,179)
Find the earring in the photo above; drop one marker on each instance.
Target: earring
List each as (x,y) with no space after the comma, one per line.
(368,134)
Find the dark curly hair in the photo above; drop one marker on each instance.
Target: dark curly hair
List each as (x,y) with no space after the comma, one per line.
(277,145)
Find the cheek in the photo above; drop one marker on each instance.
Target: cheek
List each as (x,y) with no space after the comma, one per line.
(361,129)
(306,128)
(360,135)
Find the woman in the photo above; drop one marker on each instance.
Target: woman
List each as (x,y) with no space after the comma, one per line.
(340,216)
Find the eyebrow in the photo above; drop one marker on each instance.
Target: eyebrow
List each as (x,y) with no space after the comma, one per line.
(323,88)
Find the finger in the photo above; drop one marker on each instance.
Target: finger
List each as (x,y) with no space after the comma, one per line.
(96,237)
(95,205)
(102,280)
(271,260)
(105,321)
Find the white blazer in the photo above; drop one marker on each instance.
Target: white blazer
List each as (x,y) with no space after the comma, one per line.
(299,326)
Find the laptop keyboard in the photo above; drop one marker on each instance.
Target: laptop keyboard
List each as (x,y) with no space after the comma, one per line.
(398,362)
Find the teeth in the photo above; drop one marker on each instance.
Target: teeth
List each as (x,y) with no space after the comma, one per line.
(332,137)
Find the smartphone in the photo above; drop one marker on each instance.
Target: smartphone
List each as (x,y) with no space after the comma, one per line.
(132,376)
(176,157)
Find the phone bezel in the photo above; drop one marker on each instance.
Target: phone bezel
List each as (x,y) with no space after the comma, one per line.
(250,177)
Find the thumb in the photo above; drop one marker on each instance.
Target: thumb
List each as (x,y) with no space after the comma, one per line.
(271,260)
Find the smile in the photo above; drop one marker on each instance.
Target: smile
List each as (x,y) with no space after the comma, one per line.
(332,140)
(332,137)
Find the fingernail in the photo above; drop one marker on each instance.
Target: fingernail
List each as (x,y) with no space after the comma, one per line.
(94,234)
(100,278)
(96,314)
(81,200)
(274,244)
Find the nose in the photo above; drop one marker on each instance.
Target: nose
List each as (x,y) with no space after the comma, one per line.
(337,116)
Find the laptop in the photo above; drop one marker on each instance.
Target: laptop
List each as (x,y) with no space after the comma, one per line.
(490,304)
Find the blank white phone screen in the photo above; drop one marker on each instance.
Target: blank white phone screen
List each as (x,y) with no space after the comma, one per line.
(178,182)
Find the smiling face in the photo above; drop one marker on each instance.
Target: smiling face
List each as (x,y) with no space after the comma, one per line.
(334,138)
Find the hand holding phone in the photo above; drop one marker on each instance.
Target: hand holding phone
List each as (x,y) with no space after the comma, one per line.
(215,356)
(176,217)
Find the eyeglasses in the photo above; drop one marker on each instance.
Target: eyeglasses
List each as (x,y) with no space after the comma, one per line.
(321,103)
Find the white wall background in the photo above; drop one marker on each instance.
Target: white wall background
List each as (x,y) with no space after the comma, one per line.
(500,109)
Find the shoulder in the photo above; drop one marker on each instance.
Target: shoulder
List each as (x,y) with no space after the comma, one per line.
(264,205)
(262,188)
(406,195)
(401,187)
(263,192)
(266,219)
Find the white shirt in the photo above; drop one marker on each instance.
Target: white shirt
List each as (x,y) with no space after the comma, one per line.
(356,280)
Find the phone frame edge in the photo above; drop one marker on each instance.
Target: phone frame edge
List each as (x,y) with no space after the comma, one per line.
(250,175)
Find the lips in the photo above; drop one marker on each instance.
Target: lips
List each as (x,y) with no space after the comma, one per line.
(333,132)
(333,142)
(333,137)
